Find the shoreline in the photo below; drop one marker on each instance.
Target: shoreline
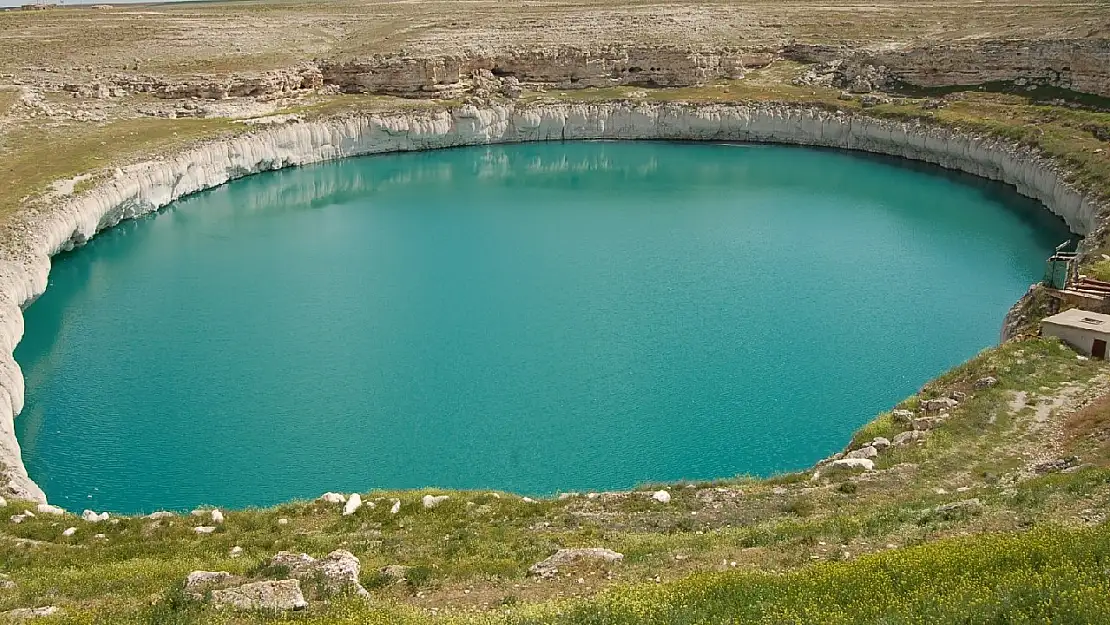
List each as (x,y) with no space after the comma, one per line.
(147,187)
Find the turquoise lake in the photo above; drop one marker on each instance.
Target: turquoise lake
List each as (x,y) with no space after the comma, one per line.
(533,318)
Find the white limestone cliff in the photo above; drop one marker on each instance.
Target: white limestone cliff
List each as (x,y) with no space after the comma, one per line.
(35,235)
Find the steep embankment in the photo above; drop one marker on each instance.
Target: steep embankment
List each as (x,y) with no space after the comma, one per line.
(150,186)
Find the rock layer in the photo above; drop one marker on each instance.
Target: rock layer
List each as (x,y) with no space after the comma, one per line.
(37,235)
(1077,64)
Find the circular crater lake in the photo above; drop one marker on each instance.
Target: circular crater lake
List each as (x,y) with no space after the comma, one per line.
(533,318)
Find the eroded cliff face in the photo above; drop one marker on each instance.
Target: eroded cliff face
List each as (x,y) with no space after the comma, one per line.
(1077,64)
(37,235)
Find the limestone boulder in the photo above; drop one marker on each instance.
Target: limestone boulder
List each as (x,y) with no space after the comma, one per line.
(22,614)
(549,567)
(93,517)
(867,451)
(939,404)
(902,416)
(337,573)
(854,463)
(279,596)
(395,572)
(354,502)
(906,438)
(985,382)
(431,501)
(198,583)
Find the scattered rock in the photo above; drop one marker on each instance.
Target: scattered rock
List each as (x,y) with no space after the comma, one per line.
(337,572)
(550,567)
(6,582)
(661,496)
(19,518)
(204,529)
(45,508)
(880,443)
(396,506)
(1059,464)
(925,423)
(905,438)
(869,100)
(958,395)
(395,572)
(939,404)
(855,463)
(958,509)
(431,501)
(20,614)
(235,552)
(779,490)
(161,514)
(280,595)
(902,416)
(527,500)
(198,583)
(217,516)
(283,521)
(353,504)
(333,498)
(69,531)
(3,502)
(93,517)
(864,452)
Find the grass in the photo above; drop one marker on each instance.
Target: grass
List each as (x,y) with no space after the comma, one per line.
(33,156)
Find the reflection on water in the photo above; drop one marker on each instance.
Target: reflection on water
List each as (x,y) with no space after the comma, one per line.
(542,317)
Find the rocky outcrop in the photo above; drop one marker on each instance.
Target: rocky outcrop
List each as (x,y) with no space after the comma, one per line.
(549,567)
(453,75)
(34,236)
(336,573)
(23,614)
(1077,64)
(281,595)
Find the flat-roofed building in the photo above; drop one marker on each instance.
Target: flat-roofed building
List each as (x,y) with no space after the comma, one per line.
(1086,331)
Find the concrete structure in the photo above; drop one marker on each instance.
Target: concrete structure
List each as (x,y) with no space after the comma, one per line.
(1086,331)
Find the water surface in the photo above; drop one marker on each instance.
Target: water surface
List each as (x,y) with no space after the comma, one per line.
(533,318)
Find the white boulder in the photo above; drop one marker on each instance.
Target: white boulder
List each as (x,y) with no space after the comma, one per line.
(431,501)
(855,463)
(353,504)
(93,517)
